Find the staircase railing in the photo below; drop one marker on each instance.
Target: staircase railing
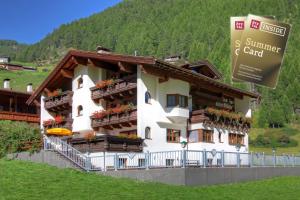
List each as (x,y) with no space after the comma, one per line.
(69,152)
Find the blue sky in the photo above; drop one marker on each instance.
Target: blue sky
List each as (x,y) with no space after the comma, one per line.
(29,21)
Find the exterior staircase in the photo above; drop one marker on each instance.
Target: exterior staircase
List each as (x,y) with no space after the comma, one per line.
(68,152)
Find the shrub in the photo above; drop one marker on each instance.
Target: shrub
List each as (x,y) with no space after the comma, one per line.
(18,136)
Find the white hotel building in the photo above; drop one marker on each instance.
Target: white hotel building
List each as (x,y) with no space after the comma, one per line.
(134,103)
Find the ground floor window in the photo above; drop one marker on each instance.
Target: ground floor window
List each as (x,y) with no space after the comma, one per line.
(142,162)
(235,139)
(122,162)
(169,162)
(201,135)
(173,135)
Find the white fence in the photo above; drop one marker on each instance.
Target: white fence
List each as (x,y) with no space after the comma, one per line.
(168,159)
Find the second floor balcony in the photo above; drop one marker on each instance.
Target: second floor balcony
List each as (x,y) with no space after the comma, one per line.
(115,118)
(59,102)
(16,116)
(221,119)
(111,89)
(58,122)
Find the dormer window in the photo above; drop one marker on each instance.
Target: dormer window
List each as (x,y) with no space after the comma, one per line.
(80,83)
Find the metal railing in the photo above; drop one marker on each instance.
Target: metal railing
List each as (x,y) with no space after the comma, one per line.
(168,159)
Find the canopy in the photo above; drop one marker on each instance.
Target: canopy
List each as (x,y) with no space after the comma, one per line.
(59,131)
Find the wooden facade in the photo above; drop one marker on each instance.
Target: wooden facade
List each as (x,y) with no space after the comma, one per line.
(13,107)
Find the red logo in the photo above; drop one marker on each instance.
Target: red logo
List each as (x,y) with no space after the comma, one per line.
(255,24)
(239,25)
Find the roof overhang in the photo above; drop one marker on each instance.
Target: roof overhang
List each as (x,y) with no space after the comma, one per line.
(112,61)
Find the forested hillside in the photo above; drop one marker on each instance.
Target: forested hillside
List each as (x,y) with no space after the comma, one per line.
(10,48)
(195,29)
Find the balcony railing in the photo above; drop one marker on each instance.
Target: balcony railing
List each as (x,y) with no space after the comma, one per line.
(235,122)
(59,102)
(119,88)
(108,143)
(126,119)
(65,123)
(15,116)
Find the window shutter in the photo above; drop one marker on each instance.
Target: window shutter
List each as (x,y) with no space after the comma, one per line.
(200,135)
(186,101)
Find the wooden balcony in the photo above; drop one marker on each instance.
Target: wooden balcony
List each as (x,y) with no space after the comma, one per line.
(23,117)
(108,143)
(66,123)
(120,88)
(118,121)
(219,121)
(60,102)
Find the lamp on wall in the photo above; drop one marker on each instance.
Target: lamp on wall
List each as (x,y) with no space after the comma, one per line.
(183,144)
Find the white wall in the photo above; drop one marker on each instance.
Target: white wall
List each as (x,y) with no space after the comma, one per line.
(154,115)
(82,96)
(45,115)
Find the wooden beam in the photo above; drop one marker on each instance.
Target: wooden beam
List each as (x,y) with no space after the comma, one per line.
(125,67)
(162,80)
(37,103)
(102,64)
(67,73)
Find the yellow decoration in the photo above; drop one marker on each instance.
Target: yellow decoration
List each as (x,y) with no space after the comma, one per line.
(59,131)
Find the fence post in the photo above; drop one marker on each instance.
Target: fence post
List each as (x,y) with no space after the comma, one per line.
(274,159)
(251,159)
(293,156)
(116,162)
(204,158)
(238,159)
(88,164)
(284,160)
(264,164)
(222,158)
(147,160)
(183,154)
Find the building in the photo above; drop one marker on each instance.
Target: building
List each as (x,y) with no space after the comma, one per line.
(13,105)
(136,103)
(4,59)
(15,67)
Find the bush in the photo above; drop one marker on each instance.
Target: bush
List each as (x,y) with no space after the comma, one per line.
(276,140)
(18,137)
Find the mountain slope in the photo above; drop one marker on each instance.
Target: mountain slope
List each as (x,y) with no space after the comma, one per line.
(195,29)
(10,48)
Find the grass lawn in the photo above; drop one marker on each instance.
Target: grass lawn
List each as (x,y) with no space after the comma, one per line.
(24,180)
(293,130)
(19,79)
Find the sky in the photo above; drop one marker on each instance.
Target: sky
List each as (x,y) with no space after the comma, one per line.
(29,21)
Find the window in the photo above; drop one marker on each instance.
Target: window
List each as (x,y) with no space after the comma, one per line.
(208,136)
(122,162)
(201,135)
(169,162)
(235,139)
(79,83)
(171,100)
(148,132)
(79,111)
(141,162)
(220,137)
(147,97)
(177,100)
(173,135)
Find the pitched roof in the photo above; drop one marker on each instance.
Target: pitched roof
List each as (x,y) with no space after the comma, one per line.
(75,57)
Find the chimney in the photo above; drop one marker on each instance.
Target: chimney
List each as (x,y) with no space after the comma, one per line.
(6,83)
(173,58)
(104,50)
(29,88)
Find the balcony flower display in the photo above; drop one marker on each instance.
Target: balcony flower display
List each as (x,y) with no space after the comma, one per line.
(48,122)
(105,83)
(130,136)
(117,110)
(59,119)
(55,93)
